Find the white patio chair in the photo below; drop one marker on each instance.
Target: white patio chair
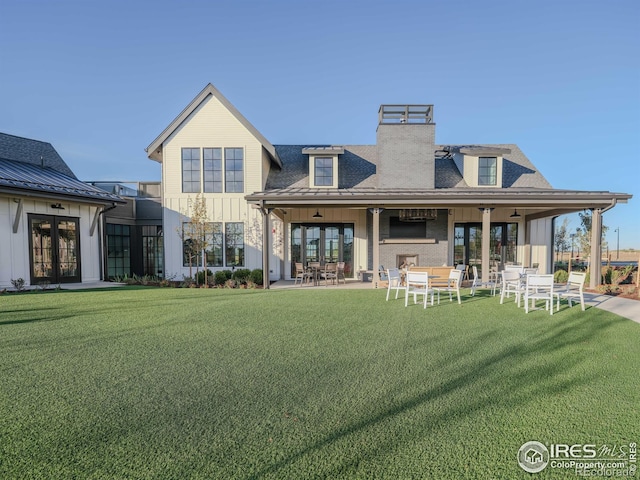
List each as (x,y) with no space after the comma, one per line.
(530,271)
(301,274)
(538,287)
(395,282)
(453,285)
(463,268)
(517,268)
(511,283)
(417,284)
(573,289)
(478,283)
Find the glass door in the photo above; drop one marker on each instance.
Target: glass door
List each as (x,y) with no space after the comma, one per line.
(55,249)
(324,243)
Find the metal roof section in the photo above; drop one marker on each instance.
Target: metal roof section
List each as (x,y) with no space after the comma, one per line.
(34,152)
(326,150)
(530,197)
(154,150)
(19,178)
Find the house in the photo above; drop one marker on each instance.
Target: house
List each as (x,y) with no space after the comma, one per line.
(404,199)
(50,222)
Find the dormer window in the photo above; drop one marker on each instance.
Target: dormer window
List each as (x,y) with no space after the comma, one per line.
(323,166)
(487,171)
(480,166)
(323,171)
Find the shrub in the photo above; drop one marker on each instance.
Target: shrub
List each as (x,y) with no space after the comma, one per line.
(200,277)
(560,276)
(18,284)
(230,284)
(256,276)
(241,275)
(221,276)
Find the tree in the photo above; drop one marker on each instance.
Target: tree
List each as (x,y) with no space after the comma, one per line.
(583,233)
(196,234)
(561,239)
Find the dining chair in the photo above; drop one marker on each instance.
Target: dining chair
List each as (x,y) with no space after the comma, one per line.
(574,289)
(453,285)
(329,272)
(340,272)
(538,287)
(478,283)
(395,282)
(301,274)
(511,284)
(417,284)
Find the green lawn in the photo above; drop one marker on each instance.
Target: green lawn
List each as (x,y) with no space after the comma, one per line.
(308,383)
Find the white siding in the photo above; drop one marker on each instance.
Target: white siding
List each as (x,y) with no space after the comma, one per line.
(14,254)
(541,240)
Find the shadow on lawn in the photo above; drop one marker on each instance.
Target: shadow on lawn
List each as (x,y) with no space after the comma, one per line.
(505,373)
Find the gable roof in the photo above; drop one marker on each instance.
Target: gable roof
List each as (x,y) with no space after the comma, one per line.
(35,152)
(154,150)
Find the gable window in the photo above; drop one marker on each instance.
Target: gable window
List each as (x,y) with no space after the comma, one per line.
(191,170)
(234,170)
(487,171)
(212,170)
(323,171)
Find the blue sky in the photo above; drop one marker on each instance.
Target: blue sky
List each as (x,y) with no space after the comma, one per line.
(560,78)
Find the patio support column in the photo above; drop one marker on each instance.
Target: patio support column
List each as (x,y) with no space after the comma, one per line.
(486,243)
(266,230)
(376,246)
(596,247)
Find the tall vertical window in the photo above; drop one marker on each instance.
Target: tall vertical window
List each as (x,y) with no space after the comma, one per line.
(487,171)
(118,250)
(234,236)
(152,250)
(234,170)
(191,170)
(214,250)
(323,171)
(212,170)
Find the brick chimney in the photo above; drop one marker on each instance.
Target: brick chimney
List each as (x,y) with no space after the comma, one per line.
(405,139)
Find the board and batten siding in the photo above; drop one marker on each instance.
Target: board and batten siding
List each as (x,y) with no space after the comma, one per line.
(211,125)
(14,254)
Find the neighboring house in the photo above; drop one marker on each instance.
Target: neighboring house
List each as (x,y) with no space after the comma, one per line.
(405,199)
(50,222)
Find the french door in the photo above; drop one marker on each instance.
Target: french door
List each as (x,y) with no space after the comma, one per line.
(502,247)
(54,243)
(324,243)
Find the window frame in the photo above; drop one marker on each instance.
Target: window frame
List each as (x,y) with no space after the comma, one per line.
(233,177)
(234,251)
(212,167)
(188,185)
(487,173)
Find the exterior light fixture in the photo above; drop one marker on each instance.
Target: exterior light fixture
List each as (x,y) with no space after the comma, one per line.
(317,214)
(57,206)
(515,214)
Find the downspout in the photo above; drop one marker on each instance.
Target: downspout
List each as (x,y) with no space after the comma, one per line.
(101,246)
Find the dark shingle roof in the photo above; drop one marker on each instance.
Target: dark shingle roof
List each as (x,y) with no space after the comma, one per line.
(35,152)
(357,168)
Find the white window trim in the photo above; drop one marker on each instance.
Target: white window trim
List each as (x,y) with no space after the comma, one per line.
(312,171)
